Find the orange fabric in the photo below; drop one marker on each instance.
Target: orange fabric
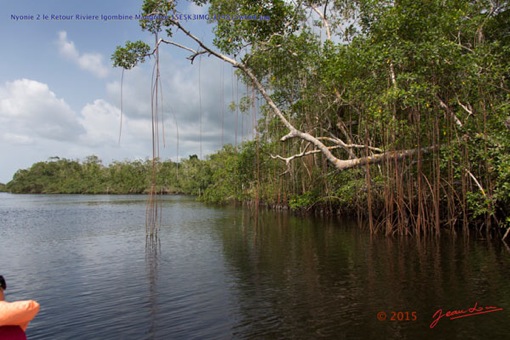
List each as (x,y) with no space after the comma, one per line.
(18,313)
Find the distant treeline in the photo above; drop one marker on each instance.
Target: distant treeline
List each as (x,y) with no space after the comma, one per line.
(243,173)
(224,176)
(414,94)
(91,176)
(246,173)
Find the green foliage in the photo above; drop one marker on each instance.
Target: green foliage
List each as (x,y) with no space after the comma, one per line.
(427,74)
(130,55)
(90,176)
(478,204)
(225,182)
(155,14)
(232,34)
(303,201)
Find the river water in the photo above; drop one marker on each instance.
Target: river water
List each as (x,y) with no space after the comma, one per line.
(226,273)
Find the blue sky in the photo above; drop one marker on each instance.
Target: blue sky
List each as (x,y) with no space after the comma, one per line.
(60,96)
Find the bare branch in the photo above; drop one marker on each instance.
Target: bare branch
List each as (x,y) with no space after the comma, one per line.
(323,18)
(175,44)
(169,42)
(290,135)
(476,181)
(293,132)
(350,146)
(466,108)
(287,160)
(392,75)
(340,142)
(353,163)
(304,153)
(201,44)
(343,128)
(506,234)
(450,112)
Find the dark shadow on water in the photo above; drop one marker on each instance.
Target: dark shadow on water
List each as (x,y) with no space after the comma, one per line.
(324,278)
(152,258)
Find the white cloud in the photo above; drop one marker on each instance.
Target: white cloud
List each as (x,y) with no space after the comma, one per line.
(135,93)
(35,124)
(29,109)
(92,62)
(16,139)
(101,121)
(185,103)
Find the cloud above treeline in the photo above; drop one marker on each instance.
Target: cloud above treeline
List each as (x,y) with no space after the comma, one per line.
(91,62)
(194,98)
(29,109)
(37,123)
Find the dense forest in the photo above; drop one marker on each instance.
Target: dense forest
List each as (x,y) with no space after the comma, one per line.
(90,176)
(394,111)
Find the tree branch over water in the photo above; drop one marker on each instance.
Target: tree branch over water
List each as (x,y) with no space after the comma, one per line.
(340,164)
(362,83)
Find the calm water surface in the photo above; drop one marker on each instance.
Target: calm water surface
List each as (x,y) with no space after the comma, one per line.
(224,273)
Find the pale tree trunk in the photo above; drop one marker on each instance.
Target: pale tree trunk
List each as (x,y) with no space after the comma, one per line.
(319,146)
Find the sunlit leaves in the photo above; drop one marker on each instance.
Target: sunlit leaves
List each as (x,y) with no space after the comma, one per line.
(417,69)
(270,18)
(156,14)
(130,55)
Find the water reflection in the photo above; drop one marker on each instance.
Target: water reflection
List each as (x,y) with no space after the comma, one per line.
(152,254)
(306,278)
(284,287)
(216,273)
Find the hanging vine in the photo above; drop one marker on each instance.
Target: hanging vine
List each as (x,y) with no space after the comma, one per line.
(153,207)
(422,126)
